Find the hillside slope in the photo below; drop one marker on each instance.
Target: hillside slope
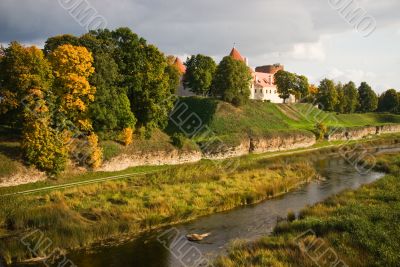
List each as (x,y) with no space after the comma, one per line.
(255,119)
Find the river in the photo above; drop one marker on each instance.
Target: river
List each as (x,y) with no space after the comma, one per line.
(247,223)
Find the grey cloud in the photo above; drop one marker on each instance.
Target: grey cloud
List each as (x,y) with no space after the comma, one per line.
(183,26)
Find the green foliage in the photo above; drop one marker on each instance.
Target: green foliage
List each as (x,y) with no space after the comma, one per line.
(359,226)
(321,130)
(91,213)
(302,86)
(54,42)
(340,105)
(389,101)
(351,98)
(178,140)
(199,74)
(111,111)
(144,72)
(368,98)
(291,84)
(232,81)
(285,82)
(327,95)
(28,80)
(174,78)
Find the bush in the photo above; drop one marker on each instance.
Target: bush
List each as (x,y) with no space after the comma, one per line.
(127,136)
(291,216)
(320,130)
(178,140)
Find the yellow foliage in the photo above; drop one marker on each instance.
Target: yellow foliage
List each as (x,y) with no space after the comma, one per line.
(67,59)
(127,136)
(96,153)
(72,66)
(44,146)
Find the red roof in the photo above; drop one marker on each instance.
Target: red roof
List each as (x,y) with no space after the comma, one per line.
(179,65)
(236,55)
(263,79)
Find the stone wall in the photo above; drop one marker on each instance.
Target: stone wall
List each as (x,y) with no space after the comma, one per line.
(362,132)
(173,157)
(280,143)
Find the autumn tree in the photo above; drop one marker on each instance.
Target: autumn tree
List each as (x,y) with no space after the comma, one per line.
(327,95)
(199,74)
(232,81)
(368,98)
(389,101)
(72,67)
(111,111)
(29,80)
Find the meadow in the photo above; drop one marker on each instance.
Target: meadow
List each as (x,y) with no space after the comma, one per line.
(360,227)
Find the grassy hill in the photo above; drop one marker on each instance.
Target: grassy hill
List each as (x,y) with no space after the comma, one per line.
(216,119)
(261,119)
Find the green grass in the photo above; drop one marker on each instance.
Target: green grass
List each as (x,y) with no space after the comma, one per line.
(256,118)
(361,226)
(78,217)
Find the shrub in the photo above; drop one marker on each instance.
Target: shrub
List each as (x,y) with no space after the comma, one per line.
(95,156)
(178,140)
(127,136)
(291,216)
(320,130)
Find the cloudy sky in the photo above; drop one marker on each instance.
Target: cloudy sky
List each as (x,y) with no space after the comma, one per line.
(318,38)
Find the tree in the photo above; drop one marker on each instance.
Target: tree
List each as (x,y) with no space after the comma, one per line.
(72,67)
(351,98)
(145,73)
(368,98)
(111,111)
(285,83)
(174,77)
(291,84)
(301,88)
(54,42)
(199,74)
(232,81)
(389,101)
(327,95)
(29,81)
(340,98)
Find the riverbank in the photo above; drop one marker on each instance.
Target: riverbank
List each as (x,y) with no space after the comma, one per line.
(78,217)
(210,129)
(354,228)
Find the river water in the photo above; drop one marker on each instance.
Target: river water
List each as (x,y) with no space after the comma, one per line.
(243,223)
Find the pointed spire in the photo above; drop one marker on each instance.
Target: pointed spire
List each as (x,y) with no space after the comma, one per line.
(235,54)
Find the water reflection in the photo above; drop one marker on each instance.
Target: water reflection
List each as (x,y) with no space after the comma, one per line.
(244,223)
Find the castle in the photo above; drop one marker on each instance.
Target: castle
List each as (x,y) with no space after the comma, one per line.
(262,86)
